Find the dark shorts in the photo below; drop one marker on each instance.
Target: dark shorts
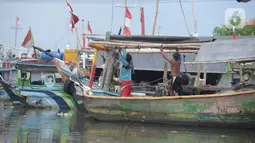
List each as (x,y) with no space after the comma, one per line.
(177,84)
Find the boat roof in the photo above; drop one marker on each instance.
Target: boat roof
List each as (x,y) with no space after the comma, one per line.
(36,66)
(157,39)
(240,50)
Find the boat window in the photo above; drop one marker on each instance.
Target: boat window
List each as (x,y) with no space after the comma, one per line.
(58,78)
(48,79)
(36,79)
(23,55)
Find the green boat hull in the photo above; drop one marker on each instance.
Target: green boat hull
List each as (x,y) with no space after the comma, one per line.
(233,109)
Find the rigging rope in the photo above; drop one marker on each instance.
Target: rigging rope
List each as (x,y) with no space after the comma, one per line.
(184,17)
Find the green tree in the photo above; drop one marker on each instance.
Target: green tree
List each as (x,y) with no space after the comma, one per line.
(248,30)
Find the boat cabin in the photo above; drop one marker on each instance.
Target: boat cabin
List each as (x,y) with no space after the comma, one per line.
(32,75)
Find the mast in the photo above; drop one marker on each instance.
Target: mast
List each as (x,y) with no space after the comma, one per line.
(83,35)
(155,18)
(112,16)
(16,28)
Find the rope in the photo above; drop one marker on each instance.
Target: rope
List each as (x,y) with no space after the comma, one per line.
(184,17)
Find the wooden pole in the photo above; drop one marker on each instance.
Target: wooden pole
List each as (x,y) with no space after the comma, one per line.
(196,84)
(93,68)
(184,17)
(83,35)
(16,31)
(129,45)
(112,16)
(155,18)
(102,82)
(109,74)
(194,19)
(205,74)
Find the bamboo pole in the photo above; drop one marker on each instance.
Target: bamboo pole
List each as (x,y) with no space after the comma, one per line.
(145,45)
(184,16)
(136,51)
(155,18)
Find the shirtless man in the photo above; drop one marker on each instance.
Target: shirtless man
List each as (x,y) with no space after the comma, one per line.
(175,72)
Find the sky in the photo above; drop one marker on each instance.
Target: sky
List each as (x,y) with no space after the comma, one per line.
(50,28)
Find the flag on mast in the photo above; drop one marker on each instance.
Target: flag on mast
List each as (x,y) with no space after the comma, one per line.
(89,28)
(69,6)
(29,40)
(128,18)
(142,21)
(74,19)
(17,20)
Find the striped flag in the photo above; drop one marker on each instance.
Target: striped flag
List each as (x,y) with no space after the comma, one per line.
(29,40)
(128,18)
(142,21)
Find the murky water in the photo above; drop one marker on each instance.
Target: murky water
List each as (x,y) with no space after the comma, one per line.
(47,126)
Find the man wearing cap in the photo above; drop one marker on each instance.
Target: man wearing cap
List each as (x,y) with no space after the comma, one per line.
(176,80)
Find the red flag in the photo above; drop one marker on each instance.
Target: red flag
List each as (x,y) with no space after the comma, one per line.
(89,28)
(128,18)
(69,7)
(142,21)
(74,19)
(17,20)
(29,40)
(233,36)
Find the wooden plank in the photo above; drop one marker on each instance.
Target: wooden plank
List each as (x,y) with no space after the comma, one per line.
(129,45)
(243,93)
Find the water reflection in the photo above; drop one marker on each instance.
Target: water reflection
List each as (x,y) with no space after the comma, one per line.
(48,126)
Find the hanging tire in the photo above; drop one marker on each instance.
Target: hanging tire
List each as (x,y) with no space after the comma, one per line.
(68,86)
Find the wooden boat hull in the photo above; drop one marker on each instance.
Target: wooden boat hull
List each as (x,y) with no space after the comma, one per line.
(36,98)
(233,109)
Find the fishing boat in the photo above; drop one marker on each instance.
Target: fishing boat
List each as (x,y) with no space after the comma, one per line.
(38,86)
(8,57)
(232,105)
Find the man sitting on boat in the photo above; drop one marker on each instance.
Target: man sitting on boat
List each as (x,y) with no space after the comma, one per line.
(125,72)
(175,79)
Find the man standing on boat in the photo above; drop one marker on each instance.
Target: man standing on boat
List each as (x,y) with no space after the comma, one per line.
(125,72)
(176,87)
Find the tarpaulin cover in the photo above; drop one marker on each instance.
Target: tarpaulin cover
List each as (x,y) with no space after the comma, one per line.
(227,51)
